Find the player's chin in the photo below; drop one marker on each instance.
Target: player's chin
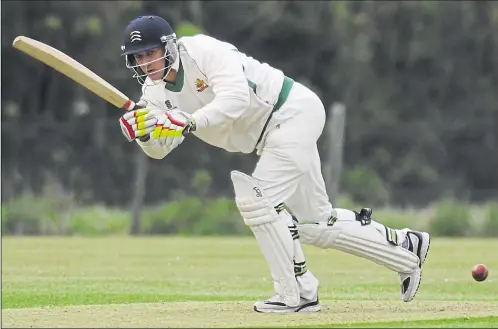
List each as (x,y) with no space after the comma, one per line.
(155,76)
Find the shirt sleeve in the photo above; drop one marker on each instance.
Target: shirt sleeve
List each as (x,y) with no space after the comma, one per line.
(225,74)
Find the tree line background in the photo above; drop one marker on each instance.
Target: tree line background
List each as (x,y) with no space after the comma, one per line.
(418,80)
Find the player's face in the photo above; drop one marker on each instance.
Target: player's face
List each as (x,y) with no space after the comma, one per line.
(152,62)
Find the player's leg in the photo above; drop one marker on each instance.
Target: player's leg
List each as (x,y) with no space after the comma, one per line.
(276,176)
(403,251)
(277,237)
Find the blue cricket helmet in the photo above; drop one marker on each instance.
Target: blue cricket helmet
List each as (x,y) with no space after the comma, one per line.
(145,33)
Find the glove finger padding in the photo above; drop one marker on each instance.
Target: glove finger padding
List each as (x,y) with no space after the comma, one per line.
(137,123)
(136,113)
(142,118)
(143,132)
(149,125)
(168,133)
(171,136)
(162,122)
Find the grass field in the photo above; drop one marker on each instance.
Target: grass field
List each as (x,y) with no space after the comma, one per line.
(213,282)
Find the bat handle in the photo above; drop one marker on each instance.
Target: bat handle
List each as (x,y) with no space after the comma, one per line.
(131,105)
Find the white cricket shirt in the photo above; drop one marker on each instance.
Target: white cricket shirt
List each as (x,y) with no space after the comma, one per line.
(229,94)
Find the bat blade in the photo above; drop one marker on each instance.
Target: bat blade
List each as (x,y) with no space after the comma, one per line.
(74,70)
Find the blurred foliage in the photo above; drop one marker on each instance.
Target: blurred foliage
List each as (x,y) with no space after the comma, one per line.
(490,227)
(366,187)
(452,219)
(187,29)
(197,215)
(401,218)
(26,215)
(418,80)
(194,216)
(99,220)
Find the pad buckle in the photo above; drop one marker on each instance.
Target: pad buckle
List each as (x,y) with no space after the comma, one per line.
(364,217)
(332,220)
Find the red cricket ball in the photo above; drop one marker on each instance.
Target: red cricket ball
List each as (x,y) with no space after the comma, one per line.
(480,272)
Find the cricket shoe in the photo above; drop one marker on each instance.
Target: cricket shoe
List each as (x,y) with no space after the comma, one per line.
(418,243)
(275,304)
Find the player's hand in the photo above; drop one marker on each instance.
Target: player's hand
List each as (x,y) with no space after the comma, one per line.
(172,127)
(138,123)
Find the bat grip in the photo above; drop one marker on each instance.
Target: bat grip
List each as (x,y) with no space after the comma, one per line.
(131,105)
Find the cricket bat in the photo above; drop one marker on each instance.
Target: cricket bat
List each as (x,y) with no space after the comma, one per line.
(74,70)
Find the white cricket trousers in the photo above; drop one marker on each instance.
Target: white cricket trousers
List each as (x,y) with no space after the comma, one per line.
(289,168)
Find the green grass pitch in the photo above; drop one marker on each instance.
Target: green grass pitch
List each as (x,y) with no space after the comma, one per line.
(212,282)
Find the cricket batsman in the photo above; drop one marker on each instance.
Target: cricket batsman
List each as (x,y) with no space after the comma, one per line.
(201,86)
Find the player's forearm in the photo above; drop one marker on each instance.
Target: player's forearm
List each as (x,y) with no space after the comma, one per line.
(221,110)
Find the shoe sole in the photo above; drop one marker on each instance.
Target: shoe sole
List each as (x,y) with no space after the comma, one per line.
(313,306)
(424,249)
(412,295)
(307,309)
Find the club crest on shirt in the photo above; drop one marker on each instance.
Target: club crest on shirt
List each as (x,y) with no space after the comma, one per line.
(200,85)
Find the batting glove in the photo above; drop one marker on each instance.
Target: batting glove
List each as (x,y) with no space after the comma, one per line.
(138,123)
(172,127)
